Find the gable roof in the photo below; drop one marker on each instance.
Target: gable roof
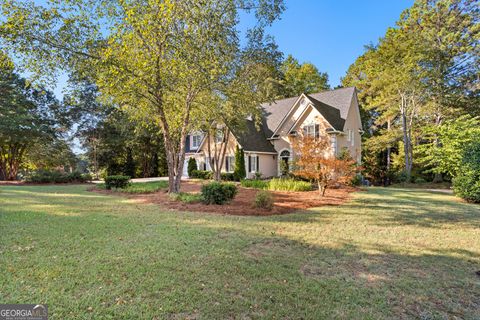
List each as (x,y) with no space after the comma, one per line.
(253,139)
(331,114)
(333,105)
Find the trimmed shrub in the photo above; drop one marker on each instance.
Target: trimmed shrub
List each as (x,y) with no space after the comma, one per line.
(47,176)
(289,185)
(228,176)
(263,200)
(192,166)
(202,174)
(116,182)
(256,184)
(467,182)
(218,193)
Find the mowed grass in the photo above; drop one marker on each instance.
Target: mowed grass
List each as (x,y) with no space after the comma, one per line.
(387,254)
(140,187)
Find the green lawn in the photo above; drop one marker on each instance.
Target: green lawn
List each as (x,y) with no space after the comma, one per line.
(389,253)
(140,187)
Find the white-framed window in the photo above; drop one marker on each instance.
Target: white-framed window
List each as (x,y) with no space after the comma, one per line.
(333,138)
(230,163)
(253,163)
(219,135)
(311,130)
(350,135)
(195,141)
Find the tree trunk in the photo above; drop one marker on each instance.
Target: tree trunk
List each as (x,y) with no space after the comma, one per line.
(406,141)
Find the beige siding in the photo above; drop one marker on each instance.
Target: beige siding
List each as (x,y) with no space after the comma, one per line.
(353,124)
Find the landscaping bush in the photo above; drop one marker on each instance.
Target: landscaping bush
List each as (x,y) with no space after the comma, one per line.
(228,176)
(356,180)
(288,185)
(116,182)
(202,174)
(264,200)
(419,180)
(192,166)
(256,184)
(53,176)
(218,193)
(467,182)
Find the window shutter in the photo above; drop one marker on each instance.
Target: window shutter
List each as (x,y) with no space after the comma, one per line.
(249,164)
(317,131)
(305,133)
(258,164)
(226,164)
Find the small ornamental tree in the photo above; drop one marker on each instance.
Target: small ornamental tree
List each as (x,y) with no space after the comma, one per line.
(315,160)
(192,166)
(239,171)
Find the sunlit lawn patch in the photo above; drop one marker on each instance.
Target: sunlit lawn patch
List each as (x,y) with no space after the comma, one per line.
(388,253)
(140,187)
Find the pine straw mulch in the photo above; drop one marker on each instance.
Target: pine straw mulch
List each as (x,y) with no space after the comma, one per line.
(242,205)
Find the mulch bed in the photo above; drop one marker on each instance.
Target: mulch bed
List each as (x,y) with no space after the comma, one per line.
(242,205)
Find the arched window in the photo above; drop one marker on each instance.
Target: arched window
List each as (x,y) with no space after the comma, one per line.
(285,154)
(284,160)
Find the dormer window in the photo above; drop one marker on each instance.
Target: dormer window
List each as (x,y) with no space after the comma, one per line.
(219,136)
(195,141)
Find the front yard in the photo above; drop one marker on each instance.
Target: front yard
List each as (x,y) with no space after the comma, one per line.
(387,253)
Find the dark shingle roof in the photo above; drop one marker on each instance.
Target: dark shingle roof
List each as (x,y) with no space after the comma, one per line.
(331,114)
(325,102)
(273,113)
(253,139)
(340,99)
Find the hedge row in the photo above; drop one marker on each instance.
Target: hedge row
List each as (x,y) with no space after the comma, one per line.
(47,176)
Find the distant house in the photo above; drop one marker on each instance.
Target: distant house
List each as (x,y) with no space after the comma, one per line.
(334,112)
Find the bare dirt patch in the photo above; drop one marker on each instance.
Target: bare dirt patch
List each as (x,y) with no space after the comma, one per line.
(285,202)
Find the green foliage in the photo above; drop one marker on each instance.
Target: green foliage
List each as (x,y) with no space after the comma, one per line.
(420,180)
(228,176)
(54,176)
(263,200)
(284,169)
(239,172)
(447,142)
(302,78)
(192,166)
(356,180)
(129,166)
(202,174)
(116,182)
(466,183)
(31,123)
(415,80)
(186,197)
(218,193)
(288,184)
(158,60)
(256,184)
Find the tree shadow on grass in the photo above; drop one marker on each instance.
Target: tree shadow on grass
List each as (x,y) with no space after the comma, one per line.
(387,207)
(136,260)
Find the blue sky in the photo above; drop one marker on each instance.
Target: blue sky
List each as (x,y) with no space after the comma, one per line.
(331,34)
